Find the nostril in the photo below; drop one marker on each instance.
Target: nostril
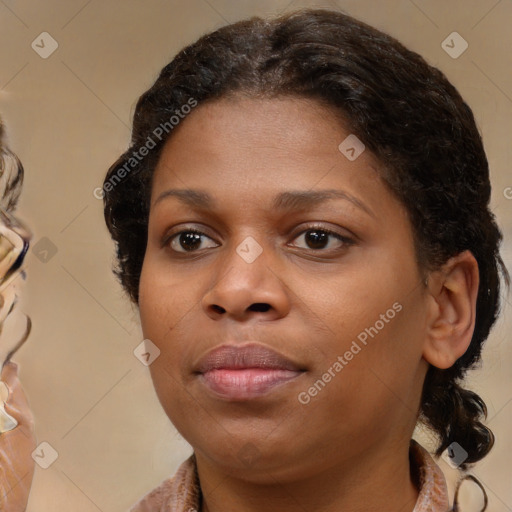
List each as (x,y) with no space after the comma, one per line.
(259,306)
(218,309)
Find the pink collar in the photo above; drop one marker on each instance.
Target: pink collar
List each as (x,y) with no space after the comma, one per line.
(182,493)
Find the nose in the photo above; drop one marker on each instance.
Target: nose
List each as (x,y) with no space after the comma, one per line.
(243,290)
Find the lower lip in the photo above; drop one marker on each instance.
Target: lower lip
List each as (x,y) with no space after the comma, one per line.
(246,383)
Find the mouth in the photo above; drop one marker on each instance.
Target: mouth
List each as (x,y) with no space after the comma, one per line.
(243,372)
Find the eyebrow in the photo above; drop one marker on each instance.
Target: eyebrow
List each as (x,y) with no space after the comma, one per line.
(291,200)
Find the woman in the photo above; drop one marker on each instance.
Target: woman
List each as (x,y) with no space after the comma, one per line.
(17,437)
(302,219)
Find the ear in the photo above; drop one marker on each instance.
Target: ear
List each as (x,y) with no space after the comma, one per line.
(452,293)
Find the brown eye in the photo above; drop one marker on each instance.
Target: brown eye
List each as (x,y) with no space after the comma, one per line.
(187,241)
(319,238)
(316,239)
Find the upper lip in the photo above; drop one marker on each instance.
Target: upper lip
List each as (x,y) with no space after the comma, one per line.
(251,355)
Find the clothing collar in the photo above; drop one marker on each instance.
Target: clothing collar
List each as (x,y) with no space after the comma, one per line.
(433,493)
(182,492)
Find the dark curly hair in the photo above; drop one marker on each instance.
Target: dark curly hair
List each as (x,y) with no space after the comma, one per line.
(404,110)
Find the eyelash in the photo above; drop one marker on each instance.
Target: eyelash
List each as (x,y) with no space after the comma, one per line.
(346,241)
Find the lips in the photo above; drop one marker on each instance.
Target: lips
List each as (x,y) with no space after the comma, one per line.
(241,372)
(237,357)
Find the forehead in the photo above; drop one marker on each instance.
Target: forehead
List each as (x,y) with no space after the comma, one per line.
(255,149)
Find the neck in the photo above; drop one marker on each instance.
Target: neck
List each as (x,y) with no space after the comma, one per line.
(363,483)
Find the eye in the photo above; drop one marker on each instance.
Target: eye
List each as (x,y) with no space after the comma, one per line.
(187,240)
(317,237)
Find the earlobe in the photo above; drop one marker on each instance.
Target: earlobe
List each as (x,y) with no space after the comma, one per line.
(452,293)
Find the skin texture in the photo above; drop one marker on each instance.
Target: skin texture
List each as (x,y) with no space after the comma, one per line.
(347,448)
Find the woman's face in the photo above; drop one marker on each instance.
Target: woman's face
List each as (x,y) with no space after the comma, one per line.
(304,252)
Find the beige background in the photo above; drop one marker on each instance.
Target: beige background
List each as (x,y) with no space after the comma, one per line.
(68,117)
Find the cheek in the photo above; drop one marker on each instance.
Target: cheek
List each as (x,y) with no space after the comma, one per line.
(168,306)
(353,302)
(375,317)
(376,386)
(164,301)
(384,374)
(163,307)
